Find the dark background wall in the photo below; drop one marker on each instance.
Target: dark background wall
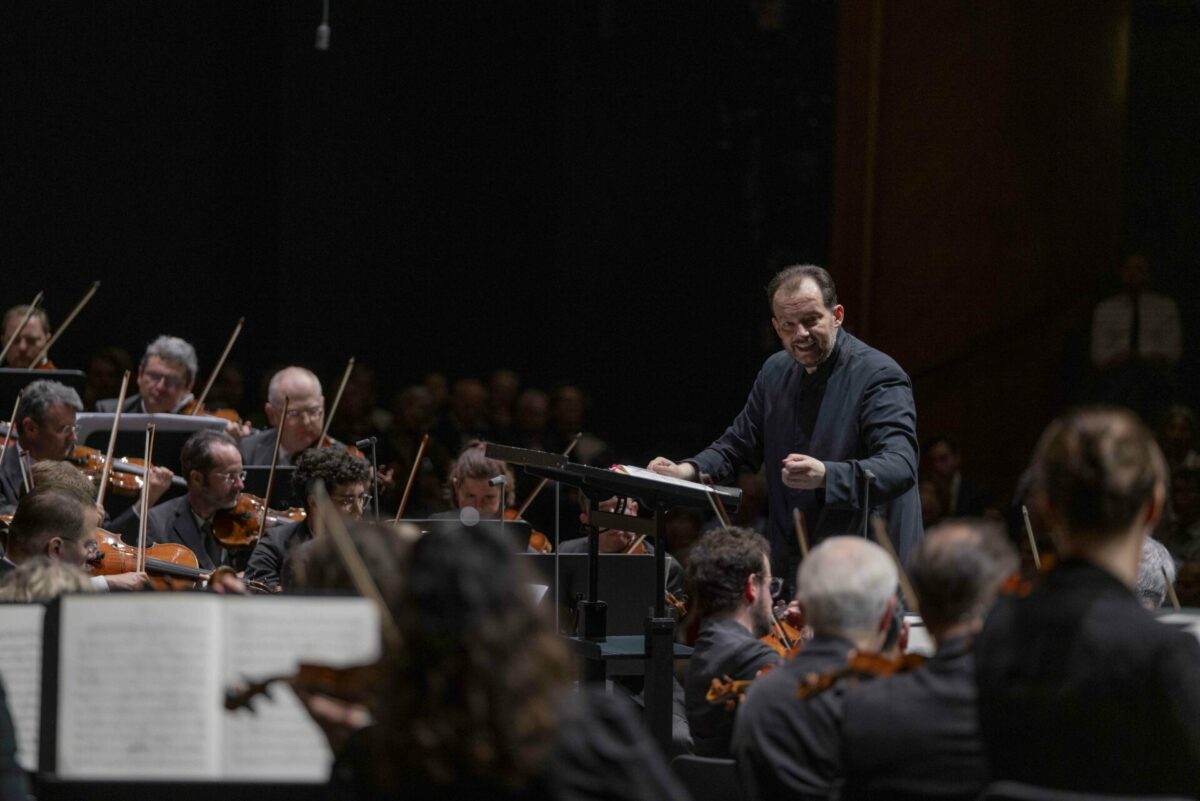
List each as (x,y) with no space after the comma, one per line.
(596,191)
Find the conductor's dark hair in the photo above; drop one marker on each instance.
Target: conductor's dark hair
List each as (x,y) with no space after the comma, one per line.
(958,570)
(333,464)
(473,694)
(720,564)
(197,451)
(1096,468)
(791,278)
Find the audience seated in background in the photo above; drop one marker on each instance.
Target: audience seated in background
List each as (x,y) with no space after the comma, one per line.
(1177,438)
(958,495)
(1079,687)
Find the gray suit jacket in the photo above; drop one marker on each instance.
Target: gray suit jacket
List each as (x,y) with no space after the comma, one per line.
(133,405)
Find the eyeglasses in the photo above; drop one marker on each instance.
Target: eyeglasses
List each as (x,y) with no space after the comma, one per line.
(775,586)
(232,478)
(348,501)
(64,430)
(313,413)
(170,381)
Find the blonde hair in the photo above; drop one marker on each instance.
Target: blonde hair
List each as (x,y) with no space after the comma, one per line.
(43,579)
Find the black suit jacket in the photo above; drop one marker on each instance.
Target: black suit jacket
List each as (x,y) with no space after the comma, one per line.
(1081,689)
(259,447)
(12,486)
(787,747)
(916,735)
(270,562)
(173,521)
(855,413)
(723,648)
(133,405)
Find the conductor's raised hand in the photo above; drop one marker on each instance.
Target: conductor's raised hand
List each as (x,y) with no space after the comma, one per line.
(803,472)
(664,466)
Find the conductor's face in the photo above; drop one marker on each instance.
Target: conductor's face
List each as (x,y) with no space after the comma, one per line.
(805,326)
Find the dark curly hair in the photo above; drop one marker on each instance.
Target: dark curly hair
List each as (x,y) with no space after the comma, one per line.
(720,564)
(333,464)
(474,691)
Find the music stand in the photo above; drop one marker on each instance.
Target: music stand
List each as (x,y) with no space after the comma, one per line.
(661,494)
(15,379)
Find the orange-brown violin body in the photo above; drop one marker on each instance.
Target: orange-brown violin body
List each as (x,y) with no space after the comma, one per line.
(170,566)
(238,527)
(91,462)
(228,415)
(537,540)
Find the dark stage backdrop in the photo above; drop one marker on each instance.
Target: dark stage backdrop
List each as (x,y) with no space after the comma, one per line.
(592,192)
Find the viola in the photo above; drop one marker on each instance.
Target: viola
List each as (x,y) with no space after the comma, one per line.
(126,475)
(194,407)
(238,527)
(537,540)
(171,566)
(783,638)
(858,667)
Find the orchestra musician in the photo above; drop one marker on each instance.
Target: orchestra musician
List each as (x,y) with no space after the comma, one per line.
(730,573)
(30,339)
(346,476)
(303,426)
(477,701)
(57,524)
(915,735)
(1079,687)
(825,414)
(165,378)
(472,485)
(46,431)
(212,466)
(787,747)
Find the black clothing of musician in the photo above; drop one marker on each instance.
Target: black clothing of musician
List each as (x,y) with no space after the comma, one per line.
(916,735)
(270,562)
(602,752)
(1081,689)
(724,648)
(787,747)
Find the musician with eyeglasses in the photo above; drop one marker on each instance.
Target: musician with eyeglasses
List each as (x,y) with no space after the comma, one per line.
(302,426)
(45,430)
(212,466)
(346,478)
(164,379)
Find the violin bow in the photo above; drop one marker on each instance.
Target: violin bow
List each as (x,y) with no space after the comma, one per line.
(262,521)
(412,477)
(12,424)
(70,318)
(334,527)
(542,484)
(715,499)
(145,501)
(1170,587)
(112,443)
(801,534)
(237,329)
(28,315)
(1037,559)
(885,542)
(337,398)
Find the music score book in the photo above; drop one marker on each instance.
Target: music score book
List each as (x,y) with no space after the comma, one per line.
(141,682)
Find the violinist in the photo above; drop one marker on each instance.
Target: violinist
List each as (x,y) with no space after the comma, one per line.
(303,426)
(787,747)
(66,479)
(212,467)
(730,572)
(1079,687)
(346,477)
(471,484)
(165,378)
(45,430)
(916,735)
(30,338)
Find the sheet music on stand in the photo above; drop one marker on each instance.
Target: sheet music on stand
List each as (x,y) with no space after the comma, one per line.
(139,683)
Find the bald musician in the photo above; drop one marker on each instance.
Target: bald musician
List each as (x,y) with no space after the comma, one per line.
(304,423)
(27,340)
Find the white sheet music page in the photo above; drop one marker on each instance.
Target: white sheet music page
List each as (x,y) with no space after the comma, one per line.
(138,675)
(21,670)
(276,740)
(650,475)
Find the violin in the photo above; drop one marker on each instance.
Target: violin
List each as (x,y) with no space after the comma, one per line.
(194,407)
(355,684)
(728,692)
(537,540)
(238,527)
(327,442)
(783,638)
(126,475)
(170,566)
(858,667)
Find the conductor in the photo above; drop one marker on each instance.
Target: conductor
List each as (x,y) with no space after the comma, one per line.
(832,419)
